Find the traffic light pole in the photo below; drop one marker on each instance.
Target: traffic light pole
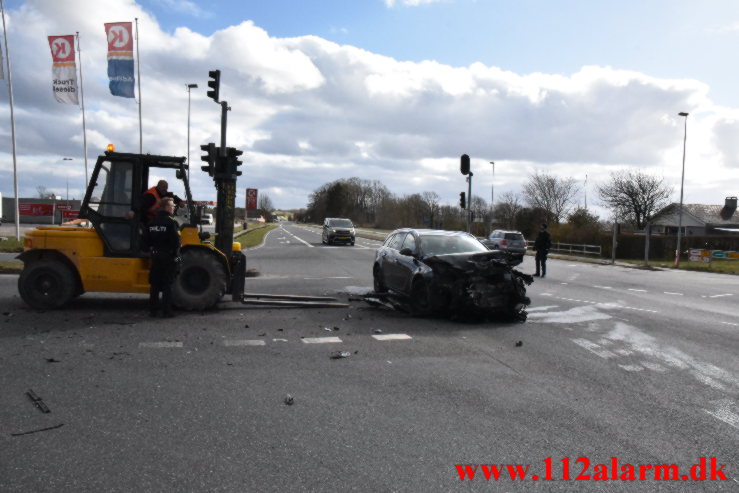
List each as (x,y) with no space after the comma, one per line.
(224,122)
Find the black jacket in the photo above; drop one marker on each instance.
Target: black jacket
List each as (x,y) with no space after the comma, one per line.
(161,235)
(543,242)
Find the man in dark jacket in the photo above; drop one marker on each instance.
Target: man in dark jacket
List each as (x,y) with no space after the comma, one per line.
(542,244)
(162,237)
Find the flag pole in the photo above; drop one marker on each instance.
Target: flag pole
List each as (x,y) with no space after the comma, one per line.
(82,95)
(138,75)
(12,126)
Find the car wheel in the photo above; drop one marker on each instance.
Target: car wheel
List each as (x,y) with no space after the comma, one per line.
(378,283)
(46,284)
(420,298)
(201,282)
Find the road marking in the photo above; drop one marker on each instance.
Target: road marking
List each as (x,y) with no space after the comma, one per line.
(675,294)
(165,344)
(721,295)
(541,308)
(244,342)
(654,366)
(279,340)
(300,240)
(391,337)
(638,290)
(725,414)
(321,340)
(594,348)
(603,287)
(564,283)
(729,323)
(631,367)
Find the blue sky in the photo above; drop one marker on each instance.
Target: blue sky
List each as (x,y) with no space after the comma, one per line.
(396,91)
(664,38)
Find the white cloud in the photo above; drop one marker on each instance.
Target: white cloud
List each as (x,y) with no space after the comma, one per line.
(307,111)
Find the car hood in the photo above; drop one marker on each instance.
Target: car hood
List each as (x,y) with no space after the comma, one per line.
(492,260)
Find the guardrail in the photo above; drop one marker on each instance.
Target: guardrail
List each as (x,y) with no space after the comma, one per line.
(572,248)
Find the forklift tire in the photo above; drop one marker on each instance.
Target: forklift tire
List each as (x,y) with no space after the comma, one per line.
(202,280)
(46,284)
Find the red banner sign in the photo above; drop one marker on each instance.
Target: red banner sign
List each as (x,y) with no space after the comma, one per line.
(251,199)
(36,209)
(64,207)
(68,215)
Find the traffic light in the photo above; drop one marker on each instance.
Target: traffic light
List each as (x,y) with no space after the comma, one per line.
(462,200)
(215,84)
(233,160)
(464,164)
(210,157)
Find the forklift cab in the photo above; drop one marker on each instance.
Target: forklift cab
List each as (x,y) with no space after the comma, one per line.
(114,198)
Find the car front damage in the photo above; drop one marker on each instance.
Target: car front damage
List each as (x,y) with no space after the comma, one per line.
(479,284)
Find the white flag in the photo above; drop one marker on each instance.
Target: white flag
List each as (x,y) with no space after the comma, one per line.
(63,69)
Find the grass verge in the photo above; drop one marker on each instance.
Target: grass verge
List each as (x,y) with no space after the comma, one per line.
(11,267)
(11,245)
(255,236)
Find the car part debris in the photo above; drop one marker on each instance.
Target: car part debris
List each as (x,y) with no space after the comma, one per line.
(37,431)
(340,354)
(38,402)
(377,331)
(289,400)
(52,360)
(519,343)
(288,301)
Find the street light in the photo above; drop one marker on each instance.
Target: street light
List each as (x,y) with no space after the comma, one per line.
(682,182)
(189,86)
(69,159)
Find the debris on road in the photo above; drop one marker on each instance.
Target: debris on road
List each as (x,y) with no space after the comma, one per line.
(519,343)
(289,400)
(340,354)
(38,402)
(37,431)
(52,360)
(377,331)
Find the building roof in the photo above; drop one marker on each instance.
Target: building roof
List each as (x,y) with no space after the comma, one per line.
(702,213)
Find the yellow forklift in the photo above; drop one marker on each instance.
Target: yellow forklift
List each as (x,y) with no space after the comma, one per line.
(61,263)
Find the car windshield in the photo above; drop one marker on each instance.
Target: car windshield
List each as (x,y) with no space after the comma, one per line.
(445,244)
(340,223)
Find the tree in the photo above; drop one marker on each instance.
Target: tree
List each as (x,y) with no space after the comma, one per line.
(265,206)
(44,193)
(506,210)
(635,196)
(551,194)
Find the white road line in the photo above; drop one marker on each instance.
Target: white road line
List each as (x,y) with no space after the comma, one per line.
(165,344)
(279,340)
(300,240)
(631,367)
(638,290)
(244,342)
(725,414)
(721,295)
(321,340)
(729,323)
(674,294)
(603,287)
(391,337)
(594,348)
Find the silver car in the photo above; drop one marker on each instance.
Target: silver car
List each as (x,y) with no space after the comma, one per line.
(508,241)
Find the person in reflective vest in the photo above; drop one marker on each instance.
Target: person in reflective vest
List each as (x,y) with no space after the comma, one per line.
(152,198)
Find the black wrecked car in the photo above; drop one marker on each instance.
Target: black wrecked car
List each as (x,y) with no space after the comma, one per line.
(449,272)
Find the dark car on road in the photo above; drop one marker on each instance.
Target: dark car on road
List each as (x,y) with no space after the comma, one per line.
(338,229)
(511,242)
(448,272)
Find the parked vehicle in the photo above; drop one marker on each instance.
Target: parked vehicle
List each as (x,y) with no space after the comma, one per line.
(206,218)
(449,272)
(511,242)
(338,229)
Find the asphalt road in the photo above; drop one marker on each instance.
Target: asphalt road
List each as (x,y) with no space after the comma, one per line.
(612,362)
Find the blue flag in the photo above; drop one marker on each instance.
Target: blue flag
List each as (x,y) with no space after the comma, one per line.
(120,59)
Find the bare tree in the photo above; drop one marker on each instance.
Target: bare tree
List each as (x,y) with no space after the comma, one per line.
(265,206)
(635,196)
(507,208)
(551,194)
(431,199)
(44,193)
